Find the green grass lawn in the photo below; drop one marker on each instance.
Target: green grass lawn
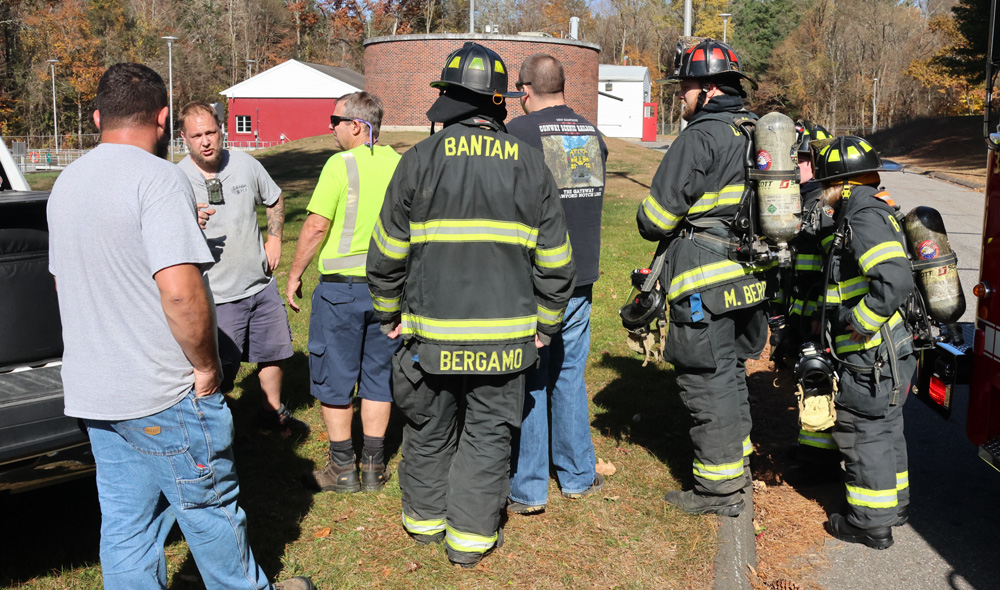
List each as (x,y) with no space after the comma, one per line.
(623,537)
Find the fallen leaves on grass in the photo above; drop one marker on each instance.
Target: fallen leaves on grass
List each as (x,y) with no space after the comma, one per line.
(323,533)
(413,566)
(606,468)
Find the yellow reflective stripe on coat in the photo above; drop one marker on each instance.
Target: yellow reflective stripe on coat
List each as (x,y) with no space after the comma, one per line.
(474,230)
(710,274)
(881,253)
(747,447)
(423,527)
(820,440)
(808,262)
(468,329)
(554,257)
(718,472)
(859,496)
(386,304)
(549,317)
(729,195)
(469,542)
(852,288)
(843,342)
(902,480)
(868,319)
(825,243)
(389,246)
(797,306)
(660,217)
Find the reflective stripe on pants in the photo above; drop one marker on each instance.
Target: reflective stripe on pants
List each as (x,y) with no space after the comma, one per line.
(463,481)
(717,397)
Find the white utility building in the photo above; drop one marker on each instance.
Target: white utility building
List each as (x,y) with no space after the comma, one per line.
(622,92)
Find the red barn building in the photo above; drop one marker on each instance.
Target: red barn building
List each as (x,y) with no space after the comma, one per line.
(289,101)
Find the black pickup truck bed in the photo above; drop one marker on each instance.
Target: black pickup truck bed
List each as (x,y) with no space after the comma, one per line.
(39,445)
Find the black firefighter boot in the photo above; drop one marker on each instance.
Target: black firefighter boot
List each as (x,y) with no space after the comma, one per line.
(694,503)
(879,537)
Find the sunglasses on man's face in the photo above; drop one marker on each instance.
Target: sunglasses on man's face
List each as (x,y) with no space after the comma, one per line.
(337,120)
(520,85)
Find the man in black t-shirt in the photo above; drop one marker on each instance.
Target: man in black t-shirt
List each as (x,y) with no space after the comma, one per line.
(576,154)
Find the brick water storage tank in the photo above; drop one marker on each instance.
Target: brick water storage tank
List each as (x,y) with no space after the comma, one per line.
(399,70)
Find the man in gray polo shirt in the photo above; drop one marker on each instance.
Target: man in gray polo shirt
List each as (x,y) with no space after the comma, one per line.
(253,324)
(140,364)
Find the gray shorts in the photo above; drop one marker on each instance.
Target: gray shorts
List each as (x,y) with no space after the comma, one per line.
(253,329)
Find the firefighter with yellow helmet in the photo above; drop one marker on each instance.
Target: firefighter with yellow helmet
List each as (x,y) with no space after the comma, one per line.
(717,316)
(471,262)
(868,280)
(801,294)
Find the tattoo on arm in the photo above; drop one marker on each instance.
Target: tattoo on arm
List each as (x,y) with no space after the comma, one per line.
(276,218)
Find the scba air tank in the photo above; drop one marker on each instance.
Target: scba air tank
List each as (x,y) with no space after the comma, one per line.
(779,205)
(934,264)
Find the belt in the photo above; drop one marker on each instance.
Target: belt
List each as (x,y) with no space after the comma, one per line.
(342,279)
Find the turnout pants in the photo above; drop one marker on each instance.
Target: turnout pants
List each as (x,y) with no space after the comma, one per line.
(454,481)
(709,355)
(874,450)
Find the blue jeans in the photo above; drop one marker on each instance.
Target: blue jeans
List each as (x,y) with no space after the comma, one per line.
(174,466)
(557,393)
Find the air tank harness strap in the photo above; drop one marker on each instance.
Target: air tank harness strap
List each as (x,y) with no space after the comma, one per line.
(715,240)
(919,265)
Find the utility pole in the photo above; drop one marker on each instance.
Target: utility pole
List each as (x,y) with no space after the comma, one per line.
(170,69)
(874,104)
(55,121)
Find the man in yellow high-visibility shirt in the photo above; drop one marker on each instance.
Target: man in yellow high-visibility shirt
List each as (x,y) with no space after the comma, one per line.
(346,346)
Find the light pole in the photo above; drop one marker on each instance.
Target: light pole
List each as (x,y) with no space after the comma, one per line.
(725,24)
(874,104)
(250,63)
(170,87)
(55,122)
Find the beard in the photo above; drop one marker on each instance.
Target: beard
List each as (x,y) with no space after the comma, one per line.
(163,146)
(207,163)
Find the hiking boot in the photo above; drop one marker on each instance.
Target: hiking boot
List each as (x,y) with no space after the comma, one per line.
(902,516)
(524,509)
(694,503)
(593,489)
(374,476)
(334,478)
(280,420)
(296,583)
(877,537)
(469,559)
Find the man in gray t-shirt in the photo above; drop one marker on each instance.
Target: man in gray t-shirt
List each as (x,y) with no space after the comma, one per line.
(140,364)
(253,324)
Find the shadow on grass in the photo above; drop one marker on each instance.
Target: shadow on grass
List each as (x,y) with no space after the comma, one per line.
(50,529)
(642,406)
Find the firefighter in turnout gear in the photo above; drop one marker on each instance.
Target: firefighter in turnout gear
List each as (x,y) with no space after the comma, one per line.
(471,262)
(869,280)
(717,320)
(801,295)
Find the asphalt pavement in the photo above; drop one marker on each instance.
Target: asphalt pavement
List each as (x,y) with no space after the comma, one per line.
(952,540)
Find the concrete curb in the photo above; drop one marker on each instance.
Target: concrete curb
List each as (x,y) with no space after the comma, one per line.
(736,551)
(952,178)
